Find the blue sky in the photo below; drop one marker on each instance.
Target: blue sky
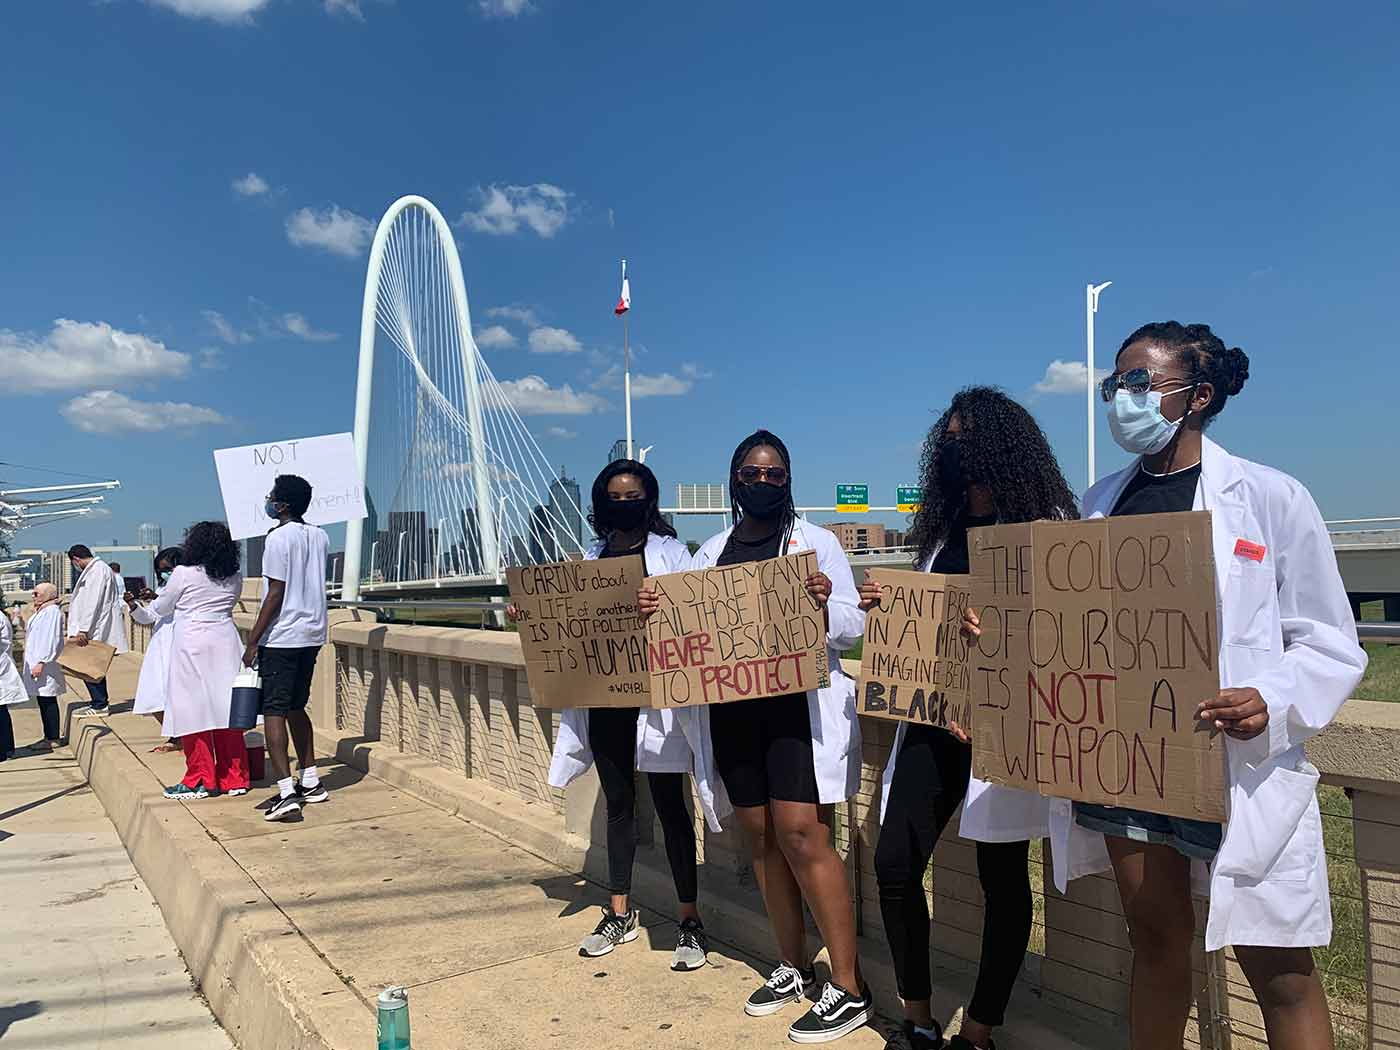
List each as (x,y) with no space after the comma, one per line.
(834,217)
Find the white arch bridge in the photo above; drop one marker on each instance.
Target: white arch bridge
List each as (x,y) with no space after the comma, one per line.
(456,486)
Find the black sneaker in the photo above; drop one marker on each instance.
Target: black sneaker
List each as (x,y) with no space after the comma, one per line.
(835,1014)
(787,985)
(960,1043)
(313,794)
(283,808)
(692,946)
(612,930)
(918,1041)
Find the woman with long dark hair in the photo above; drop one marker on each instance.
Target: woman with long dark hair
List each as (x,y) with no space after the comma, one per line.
(986,461)
(1288,660)
(781,759)
(205,656)
(623,741)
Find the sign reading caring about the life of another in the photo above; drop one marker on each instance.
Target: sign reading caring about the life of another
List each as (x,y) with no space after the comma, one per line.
(1099,639)
(913,662)
(735,633)
(246,474)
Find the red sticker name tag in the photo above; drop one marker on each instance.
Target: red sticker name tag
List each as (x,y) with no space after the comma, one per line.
(1252,551)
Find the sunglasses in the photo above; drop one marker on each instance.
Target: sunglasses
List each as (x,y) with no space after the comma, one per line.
(1135,381)
(749,474)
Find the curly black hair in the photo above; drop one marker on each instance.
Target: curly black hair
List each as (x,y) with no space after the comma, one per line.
(655,522)
(208,544)
(1003,448)
(759,439)
(1204,356)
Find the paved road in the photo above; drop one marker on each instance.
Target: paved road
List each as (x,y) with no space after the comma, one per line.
(86,962)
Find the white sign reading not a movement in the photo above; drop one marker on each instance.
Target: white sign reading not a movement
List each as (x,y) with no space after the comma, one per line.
(246,475)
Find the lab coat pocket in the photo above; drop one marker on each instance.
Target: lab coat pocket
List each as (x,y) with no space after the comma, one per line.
(1270,830)
(1251,606)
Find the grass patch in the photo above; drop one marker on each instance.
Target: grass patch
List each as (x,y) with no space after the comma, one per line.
(1382,681)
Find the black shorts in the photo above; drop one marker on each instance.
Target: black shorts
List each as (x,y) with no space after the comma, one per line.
(286,678)
(763,750)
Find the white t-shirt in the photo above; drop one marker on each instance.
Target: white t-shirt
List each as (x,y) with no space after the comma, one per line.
(296,554)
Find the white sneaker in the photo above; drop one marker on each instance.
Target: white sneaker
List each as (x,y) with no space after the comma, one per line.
(88,711)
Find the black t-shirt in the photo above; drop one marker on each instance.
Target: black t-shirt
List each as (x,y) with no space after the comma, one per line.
(952,557)
(1159,493)
(639,549)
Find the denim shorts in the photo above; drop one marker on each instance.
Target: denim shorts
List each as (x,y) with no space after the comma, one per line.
(1196,839)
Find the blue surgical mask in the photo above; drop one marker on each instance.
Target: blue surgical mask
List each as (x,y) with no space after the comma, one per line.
(1137,423)
(271,509)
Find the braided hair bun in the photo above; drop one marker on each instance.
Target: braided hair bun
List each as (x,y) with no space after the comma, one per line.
(1236,366)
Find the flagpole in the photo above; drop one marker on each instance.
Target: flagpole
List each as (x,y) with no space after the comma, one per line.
(627,373)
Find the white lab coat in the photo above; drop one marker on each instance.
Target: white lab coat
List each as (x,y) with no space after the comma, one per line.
(205,650)
(1286,629)
(155,662)
(12,690)
(96,606)
(43,641)
(990,812)
(662,746)
(831,711)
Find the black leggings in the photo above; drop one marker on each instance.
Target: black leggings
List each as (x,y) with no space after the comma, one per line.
(48,712)
(612,735)
(930,780)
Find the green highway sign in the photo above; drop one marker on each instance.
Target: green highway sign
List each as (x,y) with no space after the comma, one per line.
(852,499)
(908,499)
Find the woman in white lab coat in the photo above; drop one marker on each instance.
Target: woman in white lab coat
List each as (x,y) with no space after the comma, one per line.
(43,678)
(985,461)
(12,689)
(1289,659)
(155,662)
(623,741)
(778,760)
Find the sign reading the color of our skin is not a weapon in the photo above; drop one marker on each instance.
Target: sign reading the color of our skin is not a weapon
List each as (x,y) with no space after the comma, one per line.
(581,633)
(738,632)
(913,662)
(1099,639)
(852,499)
(246,474)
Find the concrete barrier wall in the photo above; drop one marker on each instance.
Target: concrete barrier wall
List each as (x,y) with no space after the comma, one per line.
(460,699)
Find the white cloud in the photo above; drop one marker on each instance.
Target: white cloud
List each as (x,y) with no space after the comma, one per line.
(504,8)
(694,371)
(562,433)
(251,185)
(663,385)
(549,340)
(335,229)
(532,396)
(350,8)
(495,337)
(524,314)
(1066,377)
(224,330)
(300,327)
(108,412)
(211,357)
(504,210)
(230,12)
(77,354)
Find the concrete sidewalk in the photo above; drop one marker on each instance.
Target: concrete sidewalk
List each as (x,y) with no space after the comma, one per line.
(376,888)
(86,961)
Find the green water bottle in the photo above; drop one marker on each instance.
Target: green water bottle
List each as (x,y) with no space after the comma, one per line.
(393,1019)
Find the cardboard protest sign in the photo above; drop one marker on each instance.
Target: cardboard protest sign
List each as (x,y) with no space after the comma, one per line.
(89,662)
(737,633)
(246,474)
(913,663)
(583,640)
(1099,639)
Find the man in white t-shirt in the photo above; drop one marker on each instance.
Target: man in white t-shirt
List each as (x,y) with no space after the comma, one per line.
(286,639)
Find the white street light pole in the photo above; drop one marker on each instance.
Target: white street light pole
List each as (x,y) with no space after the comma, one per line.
(1091,307)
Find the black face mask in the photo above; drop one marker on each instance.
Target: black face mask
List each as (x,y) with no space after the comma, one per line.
(761,500)
(625,515)
(950,473)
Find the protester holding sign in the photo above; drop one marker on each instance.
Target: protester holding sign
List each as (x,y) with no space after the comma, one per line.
(622,741)
(985,461)
(1288,658)
(781,757)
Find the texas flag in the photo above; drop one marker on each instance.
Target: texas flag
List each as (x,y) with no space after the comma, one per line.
(624,303)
